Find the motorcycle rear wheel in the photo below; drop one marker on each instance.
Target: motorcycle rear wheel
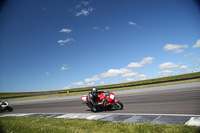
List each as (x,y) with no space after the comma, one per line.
(9,108)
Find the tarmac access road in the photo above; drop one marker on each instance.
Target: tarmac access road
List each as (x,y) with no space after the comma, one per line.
(173,99)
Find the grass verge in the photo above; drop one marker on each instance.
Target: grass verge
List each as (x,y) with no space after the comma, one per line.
(50,125)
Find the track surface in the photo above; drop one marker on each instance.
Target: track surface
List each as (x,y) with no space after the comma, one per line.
(184,100)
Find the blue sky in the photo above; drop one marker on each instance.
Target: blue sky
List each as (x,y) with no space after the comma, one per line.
(52,45)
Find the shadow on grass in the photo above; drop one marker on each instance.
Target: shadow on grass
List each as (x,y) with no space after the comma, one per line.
(1,129)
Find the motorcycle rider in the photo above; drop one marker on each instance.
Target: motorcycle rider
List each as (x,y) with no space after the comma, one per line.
(3,104)
(91,98)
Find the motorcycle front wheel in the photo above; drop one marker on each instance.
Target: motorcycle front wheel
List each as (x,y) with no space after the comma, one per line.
(118,105)
(9,108)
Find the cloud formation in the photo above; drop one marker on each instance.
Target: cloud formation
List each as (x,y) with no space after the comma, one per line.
(144,61)
(183,67)
(115,72)
(165,73)
(47,73)
(66,30)
(131,74)
(102,29)
(78,83)
(64,67)
(190,54)
(197,45)
(82,9)
(175,48)
(84,3)
(95,28)
(94,78)
(169,65)
(194,61)
(133,24)
(63,42)
(85,12)
(90,84)
(123,72)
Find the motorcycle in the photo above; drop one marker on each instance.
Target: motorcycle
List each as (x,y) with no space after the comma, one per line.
(5,107)
(111,102)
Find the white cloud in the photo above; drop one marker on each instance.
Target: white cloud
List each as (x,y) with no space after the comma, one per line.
(47,73)
(129,74)
(133,24)
(103,83)
(64,67)
(78,83)
(194,66)
(130,79)
(66,30)
(107,27)
(85,12)
(190,54)
(194,61)
(101,29)
(197,45)
(144,61)
(84,3)
(165,73)
(147,60)
(62,42)
(123,72)
(183,67)
(91,83)
(67,87)
(115,72)
(141,77)
(168,65)
(95,28)
(135,65)
(175,48)
(137,76)
(94,78)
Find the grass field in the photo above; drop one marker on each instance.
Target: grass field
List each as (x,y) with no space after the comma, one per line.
(192,77)
(55,125)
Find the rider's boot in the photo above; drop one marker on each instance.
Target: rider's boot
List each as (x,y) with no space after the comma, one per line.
(94,109)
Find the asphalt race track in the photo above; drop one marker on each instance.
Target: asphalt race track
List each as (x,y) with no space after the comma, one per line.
(177,99)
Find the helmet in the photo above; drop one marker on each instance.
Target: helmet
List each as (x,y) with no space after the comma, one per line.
(94,91)
(3,102)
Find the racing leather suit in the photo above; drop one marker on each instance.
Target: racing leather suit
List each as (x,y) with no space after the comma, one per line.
(92,100)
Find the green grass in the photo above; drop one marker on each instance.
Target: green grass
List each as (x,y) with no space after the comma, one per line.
(134,85)
(55,125)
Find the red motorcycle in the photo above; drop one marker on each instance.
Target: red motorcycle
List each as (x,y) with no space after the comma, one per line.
(111,103)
